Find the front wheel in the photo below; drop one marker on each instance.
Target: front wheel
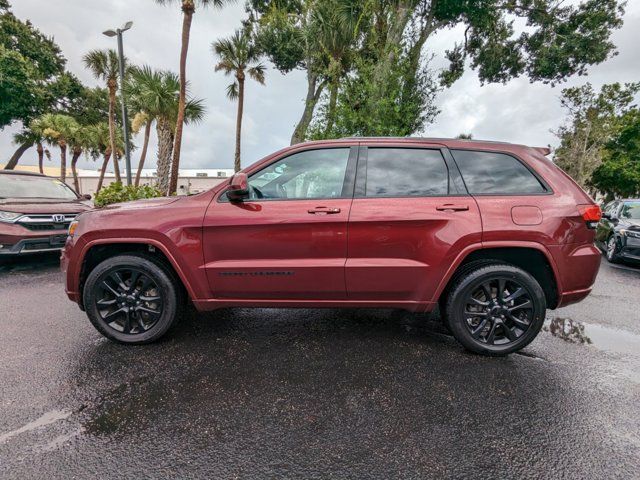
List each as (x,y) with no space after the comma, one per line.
(496,309)
(131,299)
(612,250)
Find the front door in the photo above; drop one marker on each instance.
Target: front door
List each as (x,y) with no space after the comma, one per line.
(409,219)
(288,239)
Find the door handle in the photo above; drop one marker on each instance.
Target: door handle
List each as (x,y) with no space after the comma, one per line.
(324,210)
(452,207)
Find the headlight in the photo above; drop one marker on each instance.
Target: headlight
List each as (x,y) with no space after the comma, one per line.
(72,227)
(8,216)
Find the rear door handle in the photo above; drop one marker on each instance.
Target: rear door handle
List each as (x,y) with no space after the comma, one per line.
(324,210)
(452,207)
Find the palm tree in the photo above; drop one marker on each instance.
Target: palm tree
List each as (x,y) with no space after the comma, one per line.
(28,137)
(141,118)
(188,9)
(56,129)
(239,56)
(99,140)
(156,94)
(80,141)
(104,66)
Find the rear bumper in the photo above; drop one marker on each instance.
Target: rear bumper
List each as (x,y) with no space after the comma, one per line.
(577,269)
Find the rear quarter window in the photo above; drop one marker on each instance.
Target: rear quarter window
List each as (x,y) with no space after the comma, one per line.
(493,173)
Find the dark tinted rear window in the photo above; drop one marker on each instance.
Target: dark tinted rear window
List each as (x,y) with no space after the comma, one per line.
(496,173)
(401,172)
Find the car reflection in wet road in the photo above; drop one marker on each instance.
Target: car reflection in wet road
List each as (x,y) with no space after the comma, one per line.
(315,393)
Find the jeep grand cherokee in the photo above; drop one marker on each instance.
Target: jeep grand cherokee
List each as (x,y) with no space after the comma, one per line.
(492,233)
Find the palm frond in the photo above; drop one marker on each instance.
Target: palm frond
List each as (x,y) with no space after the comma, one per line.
(232,91)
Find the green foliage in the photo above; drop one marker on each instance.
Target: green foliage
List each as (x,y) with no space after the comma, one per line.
(116,193)
(30,63)
(619,173)
(594,118)
(400,105)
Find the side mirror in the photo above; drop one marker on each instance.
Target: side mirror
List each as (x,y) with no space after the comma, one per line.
(239,187)
(86,196)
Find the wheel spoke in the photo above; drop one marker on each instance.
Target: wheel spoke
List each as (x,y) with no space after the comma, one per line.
(141,324)
(145,284)
(106,303)
(470,313)
(118,279)
(149,299)
(486,288)
(479,302)
(148,310)
(517,294)
(112,315)
(500,293)
(126,328)
(109,287)
(521,324)
(510,334)
(475,333)
(526,304)
(492,334)
(134,279)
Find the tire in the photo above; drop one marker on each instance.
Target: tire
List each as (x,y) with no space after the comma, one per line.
(132,315)
(502,324)
(612,249)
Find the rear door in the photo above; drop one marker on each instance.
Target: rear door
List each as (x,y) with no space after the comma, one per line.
(410,218)
(288,240)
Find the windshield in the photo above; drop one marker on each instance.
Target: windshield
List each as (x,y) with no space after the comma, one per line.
(27,186)
(631,210)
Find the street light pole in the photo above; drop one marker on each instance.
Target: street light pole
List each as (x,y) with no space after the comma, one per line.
(125,119)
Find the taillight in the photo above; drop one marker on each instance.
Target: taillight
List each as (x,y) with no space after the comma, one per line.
(591,214)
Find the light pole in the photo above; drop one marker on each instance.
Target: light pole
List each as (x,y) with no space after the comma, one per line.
(125,120)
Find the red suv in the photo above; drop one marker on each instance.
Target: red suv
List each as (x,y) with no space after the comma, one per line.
(492,233)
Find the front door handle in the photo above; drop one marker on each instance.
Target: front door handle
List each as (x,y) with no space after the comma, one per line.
(452,207)
(324,210)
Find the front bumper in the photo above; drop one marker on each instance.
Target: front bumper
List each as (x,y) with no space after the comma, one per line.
(630,248)
(49,243)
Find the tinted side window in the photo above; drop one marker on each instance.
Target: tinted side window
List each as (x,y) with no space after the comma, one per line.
(310,174)
(495,173)
(400,172)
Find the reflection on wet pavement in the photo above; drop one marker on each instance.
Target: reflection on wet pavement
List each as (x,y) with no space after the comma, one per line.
(604,338)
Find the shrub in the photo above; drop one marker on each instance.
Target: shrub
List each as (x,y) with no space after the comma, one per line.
(116,192)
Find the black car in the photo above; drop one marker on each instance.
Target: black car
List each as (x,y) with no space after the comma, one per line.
(618,233)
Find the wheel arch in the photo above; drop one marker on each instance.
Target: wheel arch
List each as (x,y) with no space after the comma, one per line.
(531,257)
(95,252)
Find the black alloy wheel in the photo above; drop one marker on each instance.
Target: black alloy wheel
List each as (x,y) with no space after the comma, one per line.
(132,298)
(129,301)
(495,309)
(498,311)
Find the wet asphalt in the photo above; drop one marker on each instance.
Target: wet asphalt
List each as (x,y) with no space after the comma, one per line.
(315,393)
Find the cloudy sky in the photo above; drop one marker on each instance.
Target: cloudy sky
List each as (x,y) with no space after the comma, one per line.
(516,112)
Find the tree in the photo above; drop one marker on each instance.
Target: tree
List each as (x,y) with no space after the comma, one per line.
(239,57)
(56,129)
(391,39)
(155,93)
(141,119)
(619,173)
(188,9)
(31,66)
(99,140)
(104,66)
(594,117)
(80,141)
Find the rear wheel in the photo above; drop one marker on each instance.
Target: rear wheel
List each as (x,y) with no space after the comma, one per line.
(495,309)
(131,299)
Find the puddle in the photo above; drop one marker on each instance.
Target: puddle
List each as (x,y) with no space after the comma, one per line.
(603,338)
(46,419)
